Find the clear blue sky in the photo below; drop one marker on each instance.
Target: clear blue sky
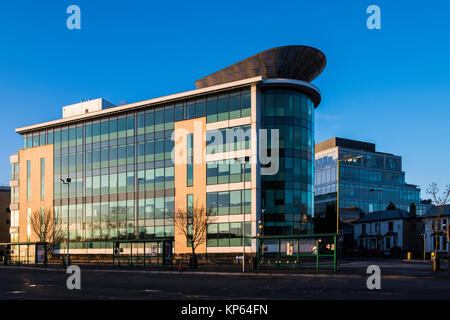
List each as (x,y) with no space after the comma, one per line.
(388,86)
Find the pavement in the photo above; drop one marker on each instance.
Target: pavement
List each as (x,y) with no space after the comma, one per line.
(400,280)
(49,284)
(348,267)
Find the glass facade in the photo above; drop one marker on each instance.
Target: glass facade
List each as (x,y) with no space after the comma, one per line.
(227,171)
(287,197)
(227,234)
(190,160)
(28,180)
(122,174)
(14,171)
(42,178)
(367,181)
(229,139)
(229,202)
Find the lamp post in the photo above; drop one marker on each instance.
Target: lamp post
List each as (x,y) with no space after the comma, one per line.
(337,195)
(243,222)
(67,182)
(424,246)
(337,188)
(379,213)
(261,223)
(260,252)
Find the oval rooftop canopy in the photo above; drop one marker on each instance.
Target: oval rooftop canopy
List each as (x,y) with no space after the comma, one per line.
(289,62)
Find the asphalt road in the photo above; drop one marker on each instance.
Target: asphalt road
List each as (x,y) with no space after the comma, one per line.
(40,284)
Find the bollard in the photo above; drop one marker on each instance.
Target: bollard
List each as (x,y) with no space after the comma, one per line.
(435,261)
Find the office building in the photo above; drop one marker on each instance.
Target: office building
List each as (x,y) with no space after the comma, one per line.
(125,184)
(368,181)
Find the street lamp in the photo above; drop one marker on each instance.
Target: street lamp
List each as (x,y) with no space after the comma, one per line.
(261,223)
(379,213)
(67,182)
(243,223)
(337,189)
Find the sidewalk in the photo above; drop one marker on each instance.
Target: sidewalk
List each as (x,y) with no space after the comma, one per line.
(348,269)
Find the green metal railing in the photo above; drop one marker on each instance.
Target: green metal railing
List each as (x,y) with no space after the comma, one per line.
(321,254)
(139,253)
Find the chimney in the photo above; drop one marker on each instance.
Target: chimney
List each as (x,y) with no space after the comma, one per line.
(412,210)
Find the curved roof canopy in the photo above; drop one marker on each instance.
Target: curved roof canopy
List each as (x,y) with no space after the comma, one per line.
(291,62)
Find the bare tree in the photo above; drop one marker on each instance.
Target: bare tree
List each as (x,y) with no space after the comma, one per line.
(47,228)
(193,224)
(440,202)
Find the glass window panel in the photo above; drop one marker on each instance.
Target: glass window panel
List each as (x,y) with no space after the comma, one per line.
(190,109)
(223,172)
(223,201)
(200,107)
(222,107)
(179,112)
(211,109)
(169,118)
(211,202)
(211,172)
(245,103)
(235,202)
(235,105)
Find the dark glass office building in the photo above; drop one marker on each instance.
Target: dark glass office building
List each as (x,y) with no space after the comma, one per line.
(368,181)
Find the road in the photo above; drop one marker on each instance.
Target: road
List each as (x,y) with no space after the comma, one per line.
(18,283)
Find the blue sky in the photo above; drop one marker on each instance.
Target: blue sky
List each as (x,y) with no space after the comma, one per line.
(388,86)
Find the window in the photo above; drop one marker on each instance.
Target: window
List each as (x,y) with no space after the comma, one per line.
(391,226)
(14,194)
(223,200)
(189,210)
(211,202)
(200,107)
(190,160)
(189,204)
(190,109)
(235,202)
(211,172)
(230,105)
(211,109)
(235,105)
(388,243)
(229,139)
(222,107)
(28,224)
(28,180)
(42,178)
(229,202)
(227,171)
(15,171)
(227,234)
